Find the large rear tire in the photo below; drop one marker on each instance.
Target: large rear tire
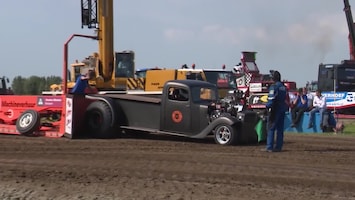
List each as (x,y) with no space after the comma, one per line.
(28,122)
(225,135)
(98,120)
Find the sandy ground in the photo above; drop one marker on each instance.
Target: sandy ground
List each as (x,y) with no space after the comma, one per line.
(156,167)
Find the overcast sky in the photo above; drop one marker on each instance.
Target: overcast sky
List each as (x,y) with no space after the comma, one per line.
(291,36)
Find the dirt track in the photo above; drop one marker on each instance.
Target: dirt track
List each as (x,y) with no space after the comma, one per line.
(155,167)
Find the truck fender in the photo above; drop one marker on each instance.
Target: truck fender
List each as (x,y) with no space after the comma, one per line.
(221,120)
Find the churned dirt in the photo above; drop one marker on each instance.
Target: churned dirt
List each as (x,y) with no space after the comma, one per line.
(160,167)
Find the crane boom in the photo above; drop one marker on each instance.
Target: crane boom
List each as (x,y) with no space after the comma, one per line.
(349,19)
(105,36)
(98,14)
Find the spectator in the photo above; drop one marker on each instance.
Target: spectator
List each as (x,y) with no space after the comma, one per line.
(319,105)
(82,83)
(300,105)
(310,100)
(288,100)
(277,107)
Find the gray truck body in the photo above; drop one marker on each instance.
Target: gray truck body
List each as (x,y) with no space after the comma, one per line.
(189,116)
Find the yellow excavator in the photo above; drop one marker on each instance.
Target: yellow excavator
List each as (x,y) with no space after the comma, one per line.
(154,79)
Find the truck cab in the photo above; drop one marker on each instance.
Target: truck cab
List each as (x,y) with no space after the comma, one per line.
(185,106)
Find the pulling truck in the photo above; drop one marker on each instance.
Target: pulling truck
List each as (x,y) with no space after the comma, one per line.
(189,108)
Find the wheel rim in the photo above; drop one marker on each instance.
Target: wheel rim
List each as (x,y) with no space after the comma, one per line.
(223,134)
(26,120)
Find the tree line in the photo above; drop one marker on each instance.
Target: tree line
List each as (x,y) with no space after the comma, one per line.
(33,85)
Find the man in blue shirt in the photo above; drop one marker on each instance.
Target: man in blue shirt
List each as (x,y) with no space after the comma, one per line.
(277,105)
(82,82)
(300,106)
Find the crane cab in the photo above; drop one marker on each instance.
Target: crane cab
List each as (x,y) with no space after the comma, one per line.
(124,68)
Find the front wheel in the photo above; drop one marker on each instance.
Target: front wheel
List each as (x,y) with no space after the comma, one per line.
(225,135)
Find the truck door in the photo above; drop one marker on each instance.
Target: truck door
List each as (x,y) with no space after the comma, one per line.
(176,114)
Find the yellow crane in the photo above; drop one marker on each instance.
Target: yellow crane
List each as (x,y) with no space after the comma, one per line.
(116,70)
(111,68)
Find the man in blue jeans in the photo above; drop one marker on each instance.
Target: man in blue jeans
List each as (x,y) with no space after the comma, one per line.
(319,105)
(277,105)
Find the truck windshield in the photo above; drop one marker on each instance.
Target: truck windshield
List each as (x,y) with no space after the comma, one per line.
(3,84)
(200,94)
(124,64)
(222,79)
(141,73)
(251,66)
(346,79)
(312,86)
(343,74)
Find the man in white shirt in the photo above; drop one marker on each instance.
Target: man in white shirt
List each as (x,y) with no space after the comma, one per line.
(319,105)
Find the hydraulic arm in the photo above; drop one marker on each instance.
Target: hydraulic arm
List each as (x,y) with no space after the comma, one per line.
(98,14)
(349,19)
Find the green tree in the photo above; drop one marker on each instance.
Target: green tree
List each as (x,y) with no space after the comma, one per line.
(33,85)
(52,80)
(18,85)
